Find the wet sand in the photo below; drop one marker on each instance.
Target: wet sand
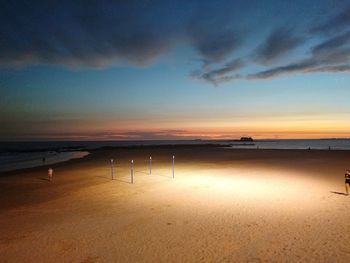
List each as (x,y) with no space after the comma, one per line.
(223,205)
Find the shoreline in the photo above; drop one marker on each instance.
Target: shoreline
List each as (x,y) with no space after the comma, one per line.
(155,147)
(37,163)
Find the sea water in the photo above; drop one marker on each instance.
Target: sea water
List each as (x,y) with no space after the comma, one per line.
(18,160)
(18,155)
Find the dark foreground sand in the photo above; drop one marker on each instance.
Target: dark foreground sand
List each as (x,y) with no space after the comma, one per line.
(224,205)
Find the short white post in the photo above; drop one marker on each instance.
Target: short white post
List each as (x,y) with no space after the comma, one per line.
(112,168)
(173,166)
(150,165)
(132,171)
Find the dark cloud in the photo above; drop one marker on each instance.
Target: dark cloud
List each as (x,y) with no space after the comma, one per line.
(332,54)
(100,33)
(113,135)
(91,33)
(291,68)
(212,30)
(338,68)
(86,33)
(278,43)
(336,23)
(215,47)
(219,75)
(333,50)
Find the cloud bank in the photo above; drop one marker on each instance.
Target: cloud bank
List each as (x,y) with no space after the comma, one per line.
(224,34)
(332,55)
(278,43)
(336,23)
(219,75)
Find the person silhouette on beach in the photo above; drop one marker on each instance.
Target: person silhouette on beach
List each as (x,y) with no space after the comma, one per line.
(44,160)
(347,181)
(50,173)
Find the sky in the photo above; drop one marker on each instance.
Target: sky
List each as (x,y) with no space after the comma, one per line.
(147,70)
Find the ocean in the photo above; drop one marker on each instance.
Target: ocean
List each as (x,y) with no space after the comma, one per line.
(18,155)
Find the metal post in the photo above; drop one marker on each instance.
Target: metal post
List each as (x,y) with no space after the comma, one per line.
(112,168)
(150,165)
(173,166)
(132,171)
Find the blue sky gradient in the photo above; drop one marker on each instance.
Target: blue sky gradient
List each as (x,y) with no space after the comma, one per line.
(109,70)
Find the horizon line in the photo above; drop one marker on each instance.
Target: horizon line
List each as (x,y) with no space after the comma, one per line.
(140,140)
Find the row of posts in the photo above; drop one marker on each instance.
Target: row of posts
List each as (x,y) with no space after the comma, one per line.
(132,169)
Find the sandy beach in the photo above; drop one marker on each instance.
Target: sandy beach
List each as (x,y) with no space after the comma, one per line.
(223,205)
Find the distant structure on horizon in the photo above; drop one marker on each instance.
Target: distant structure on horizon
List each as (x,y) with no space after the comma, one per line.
(246,139)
